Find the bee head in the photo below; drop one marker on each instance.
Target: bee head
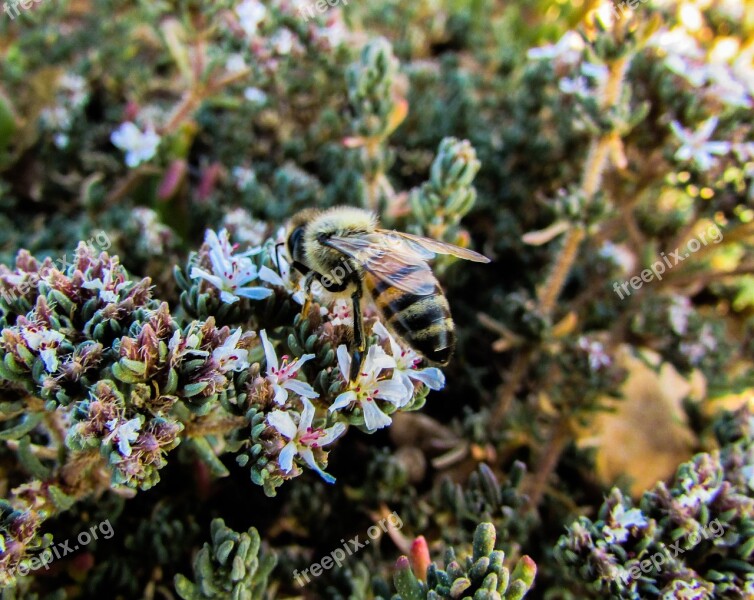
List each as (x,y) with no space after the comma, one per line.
(295,237)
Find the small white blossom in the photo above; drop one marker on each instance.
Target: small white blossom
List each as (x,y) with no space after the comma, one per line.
(282,41)
(61,140)
(108,289)
(727,88)
(124,432)
(340,313)
(139,146)
(231,273)
(154,233)
(245,228)
(696,145)
(303,439)
(368,387)
(229,357)
(244,177)
(181,346)
(255,95)
(335,33)
(282,377)
(575,87)
(598,358)
(619,254)
(406,361)
(696,351)
(250,14)
(235,63)
(45,341)
(568,49)
(678,314)
(623,521)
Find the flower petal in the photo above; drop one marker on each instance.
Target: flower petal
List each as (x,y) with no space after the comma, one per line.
(374,418)
(254,293)
(393,391)
(344,361)
(281,395)
(297,365)
(301,388)
(269,351)
(432,377)
(308,457)
(282,421)
(342,400)
(331,434)
(307,416)
(285,459)
(268,275)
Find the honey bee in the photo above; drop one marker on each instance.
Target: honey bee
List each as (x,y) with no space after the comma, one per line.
(350,256)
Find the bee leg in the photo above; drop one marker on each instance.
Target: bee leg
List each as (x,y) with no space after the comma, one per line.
(359,341)
(308,280)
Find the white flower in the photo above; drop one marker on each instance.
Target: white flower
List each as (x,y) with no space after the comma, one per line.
(124,432)
(568,49)
(335,33)
(244,177)
(678,314)
(45,341)
(139,146)
(304,438)
(231,274)
(406,361)
(340,312)
(624,520)
(594,71)
(181,346)
(368,387)
(235,63)
(619,254)
(244,228)
(576,87)
(282,41)
(726,88)
(56,118)
(154,233)
(693,71)
(61,140)
(598,358)
(282,377)
(108,289)
(255,95)
(696,351)
(229,357)
(250,14)
(696,145)
(677,42)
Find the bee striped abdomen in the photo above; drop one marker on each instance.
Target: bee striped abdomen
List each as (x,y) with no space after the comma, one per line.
(423,321)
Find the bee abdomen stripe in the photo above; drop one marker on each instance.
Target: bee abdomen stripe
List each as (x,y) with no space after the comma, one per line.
(438,330)
(422,313)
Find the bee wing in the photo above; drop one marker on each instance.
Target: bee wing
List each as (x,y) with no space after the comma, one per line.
(429,247)
(388,259)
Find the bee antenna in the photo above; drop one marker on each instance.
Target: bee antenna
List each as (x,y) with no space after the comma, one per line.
(277,257)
